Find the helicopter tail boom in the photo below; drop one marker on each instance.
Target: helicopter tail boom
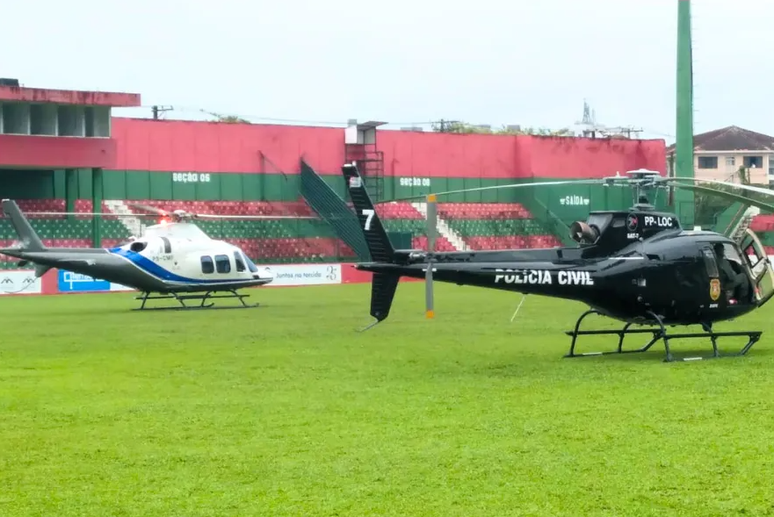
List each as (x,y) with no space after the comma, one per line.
(30,240)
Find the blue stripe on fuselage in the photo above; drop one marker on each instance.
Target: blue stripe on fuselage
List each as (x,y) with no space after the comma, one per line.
(150,267)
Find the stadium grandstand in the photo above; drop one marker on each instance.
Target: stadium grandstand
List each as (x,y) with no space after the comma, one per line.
(64,154)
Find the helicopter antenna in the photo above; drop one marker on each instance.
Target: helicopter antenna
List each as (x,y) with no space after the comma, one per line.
(523,297)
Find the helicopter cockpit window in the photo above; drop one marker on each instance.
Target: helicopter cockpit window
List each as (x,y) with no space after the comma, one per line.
(252,267)
(240,265)
(167,245)
(709,263)
(222,264)
(731,252)
(207,265)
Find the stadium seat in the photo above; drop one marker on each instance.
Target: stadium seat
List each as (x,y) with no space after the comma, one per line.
(762,223)
(481,226)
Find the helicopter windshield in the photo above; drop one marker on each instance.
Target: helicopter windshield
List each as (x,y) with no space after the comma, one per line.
(731,252)
(250,265)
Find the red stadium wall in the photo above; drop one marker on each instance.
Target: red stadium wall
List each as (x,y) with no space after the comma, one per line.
(147,151)
(153,145)
(507,156)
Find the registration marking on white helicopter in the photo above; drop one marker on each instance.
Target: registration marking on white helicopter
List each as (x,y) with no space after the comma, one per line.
(542,276)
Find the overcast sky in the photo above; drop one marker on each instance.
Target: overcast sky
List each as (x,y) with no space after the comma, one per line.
(494,62)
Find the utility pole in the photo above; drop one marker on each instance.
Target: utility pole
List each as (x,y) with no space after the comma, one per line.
(446,126)
(160,109)
(684,199)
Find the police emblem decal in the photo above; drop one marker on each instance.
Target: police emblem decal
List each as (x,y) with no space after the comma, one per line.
(631,222)
(714,289)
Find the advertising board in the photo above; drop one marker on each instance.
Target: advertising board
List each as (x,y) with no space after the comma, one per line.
(68,282)
(19,282)
(304,274)
(119,287)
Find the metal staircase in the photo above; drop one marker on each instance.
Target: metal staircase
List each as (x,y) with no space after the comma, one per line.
(370,163)
(133,224)
(549,221)
(443,228)
(744,222)
(360,147)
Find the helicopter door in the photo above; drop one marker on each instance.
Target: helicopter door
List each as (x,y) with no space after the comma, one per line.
(760,266)
(712,271)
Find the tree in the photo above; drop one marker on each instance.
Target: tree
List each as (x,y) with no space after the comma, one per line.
(228,119)
(744,175)
(455,126)
(232,119)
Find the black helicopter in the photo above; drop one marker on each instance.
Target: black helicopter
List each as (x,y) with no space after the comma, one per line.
(638,266)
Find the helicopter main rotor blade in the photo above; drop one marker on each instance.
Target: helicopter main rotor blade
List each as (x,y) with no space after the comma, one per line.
(729,195)
(153,209)
(700,184)
(432,221)
(599,181)
(85,214)
(195,216)
(257,217)
(740,186)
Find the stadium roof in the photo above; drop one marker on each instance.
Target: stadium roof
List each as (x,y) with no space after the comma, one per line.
(75,97)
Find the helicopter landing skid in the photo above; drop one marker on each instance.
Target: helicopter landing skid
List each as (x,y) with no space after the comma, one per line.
(658,333)
(202,298)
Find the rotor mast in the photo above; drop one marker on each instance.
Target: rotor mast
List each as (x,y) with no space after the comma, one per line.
(643,180)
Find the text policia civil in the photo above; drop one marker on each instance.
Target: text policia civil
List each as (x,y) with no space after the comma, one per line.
(543,277)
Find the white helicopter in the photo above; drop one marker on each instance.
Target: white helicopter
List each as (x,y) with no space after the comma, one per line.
(175,259)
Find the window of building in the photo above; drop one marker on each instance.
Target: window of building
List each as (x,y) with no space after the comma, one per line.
(240,265)
(222,264)
(708,162)
(753,161)
(730,161)
(207,266)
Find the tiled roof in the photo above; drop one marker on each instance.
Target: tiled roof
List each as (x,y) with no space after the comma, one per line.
(731,138)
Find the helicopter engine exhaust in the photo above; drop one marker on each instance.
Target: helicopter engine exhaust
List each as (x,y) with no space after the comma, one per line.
(583,233)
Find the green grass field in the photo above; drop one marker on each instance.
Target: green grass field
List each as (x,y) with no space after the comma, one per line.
(287,410)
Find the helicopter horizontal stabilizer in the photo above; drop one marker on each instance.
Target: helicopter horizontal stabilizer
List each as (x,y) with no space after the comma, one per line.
(30,240)
(41,270)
